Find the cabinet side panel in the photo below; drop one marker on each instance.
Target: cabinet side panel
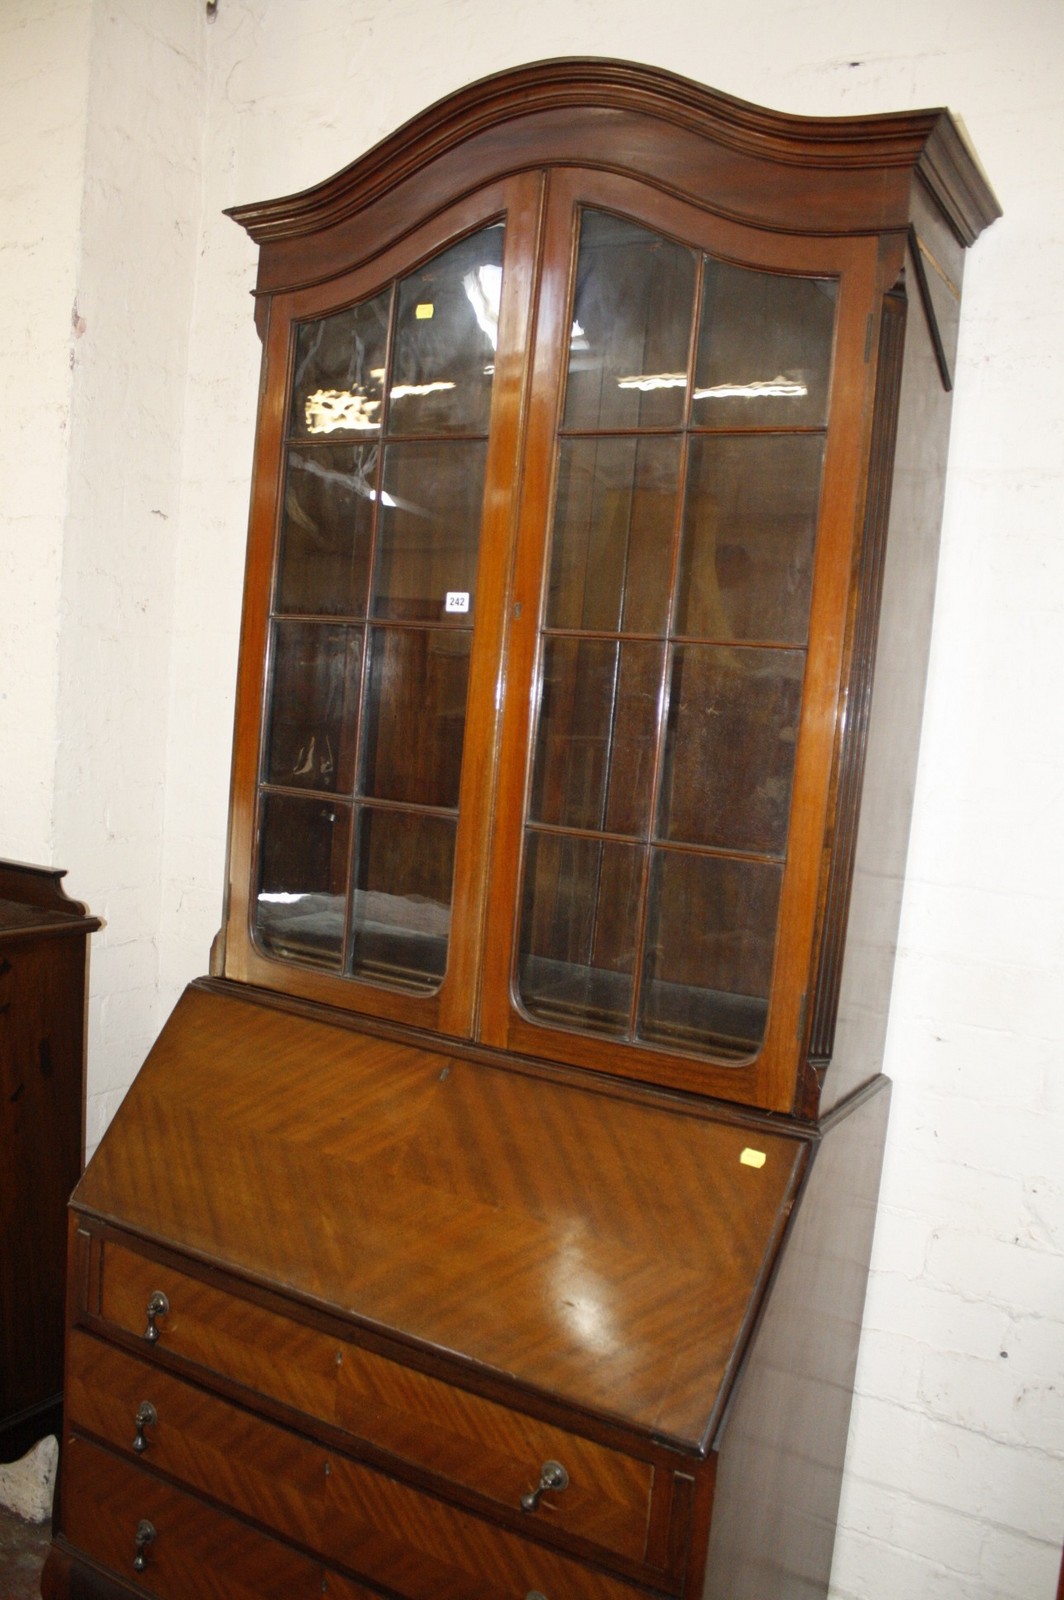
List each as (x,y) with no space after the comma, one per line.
(853,734)
(783,1444)
(895,714)
(42,987)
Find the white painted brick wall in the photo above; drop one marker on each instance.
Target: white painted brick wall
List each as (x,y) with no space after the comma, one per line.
(44,78)
(955,1479)
(139,220)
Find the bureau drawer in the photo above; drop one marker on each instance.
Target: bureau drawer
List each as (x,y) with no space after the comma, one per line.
(502,1454)
(117,1514)
(220,1332)
(265,1472)
(195,1550)
(424,1549)
(350,1514)
(423,1421)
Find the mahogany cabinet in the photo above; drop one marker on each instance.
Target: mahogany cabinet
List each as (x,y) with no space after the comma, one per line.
(494,1220)
(44,938)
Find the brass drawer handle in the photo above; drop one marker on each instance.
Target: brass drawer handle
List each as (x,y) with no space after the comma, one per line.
(535,1594)
(146,1417)
(552,1475)
(145,1536)
(158,1306)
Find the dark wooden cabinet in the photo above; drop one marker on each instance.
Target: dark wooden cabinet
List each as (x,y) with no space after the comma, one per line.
(495,1220)
(43,964)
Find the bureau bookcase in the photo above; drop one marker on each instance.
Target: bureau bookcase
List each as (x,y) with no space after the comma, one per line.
(493,1221)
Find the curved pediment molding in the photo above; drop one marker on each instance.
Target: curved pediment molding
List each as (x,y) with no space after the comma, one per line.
(616,115)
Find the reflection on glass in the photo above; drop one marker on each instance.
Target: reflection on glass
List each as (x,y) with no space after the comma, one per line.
(299,905)
(415,714)
(372,621)
(326,531)
(750,519)
(313,697)
(596,734)
(764,349)
(729,749)
(338,371)
(430,528)
(632,314)
(577,939)
(710,945)
(673,652)
(401,906)
(446,332)
(613,530)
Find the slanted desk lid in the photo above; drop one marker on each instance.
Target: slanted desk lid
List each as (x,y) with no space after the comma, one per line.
(608,1251)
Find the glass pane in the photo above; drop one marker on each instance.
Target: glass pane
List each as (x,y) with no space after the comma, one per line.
(673,661)
(729,753)
(750,518)
(764,349)
(401,907)
(710,942)
(313,701)
(430,530)
(631,334)
(415,714)
(299,909)
(577,931)
(613,534)
(339,371)
(325,535)
(596,734)
(385,530)
(445,338)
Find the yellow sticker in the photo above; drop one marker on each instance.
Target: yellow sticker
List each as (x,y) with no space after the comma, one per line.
(753,1158)
(424,311)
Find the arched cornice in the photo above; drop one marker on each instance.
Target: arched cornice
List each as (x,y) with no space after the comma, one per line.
(738,158)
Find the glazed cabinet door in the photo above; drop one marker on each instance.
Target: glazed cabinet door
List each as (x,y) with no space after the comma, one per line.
(379,539)
(679,611)
(554,528)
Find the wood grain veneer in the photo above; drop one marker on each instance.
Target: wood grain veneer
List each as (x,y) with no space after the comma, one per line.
(454,1189)
(43,977)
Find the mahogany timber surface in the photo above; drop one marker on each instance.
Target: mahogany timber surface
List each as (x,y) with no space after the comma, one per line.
(43,952)
(810,174)
(608,1252)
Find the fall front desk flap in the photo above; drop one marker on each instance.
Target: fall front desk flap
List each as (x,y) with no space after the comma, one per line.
(604,1249)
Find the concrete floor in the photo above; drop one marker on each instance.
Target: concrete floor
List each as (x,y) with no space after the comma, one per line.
(23,1547)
